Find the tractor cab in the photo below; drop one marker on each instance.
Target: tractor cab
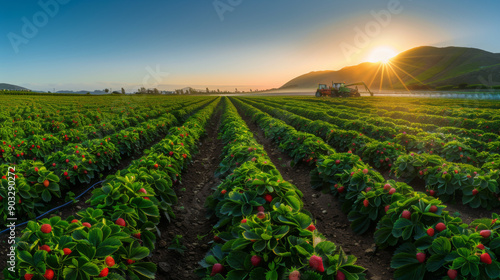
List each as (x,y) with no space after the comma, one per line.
(322,86)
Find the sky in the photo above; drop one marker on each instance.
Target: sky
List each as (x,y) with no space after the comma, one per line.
(221,44)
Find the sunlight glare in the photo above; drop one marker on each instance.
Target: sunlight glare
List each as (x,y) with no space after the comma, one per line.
(382,54)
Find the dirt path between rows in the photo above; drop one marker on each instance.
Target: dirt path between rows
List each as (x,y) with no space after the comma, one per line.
(325,209)
(198,182)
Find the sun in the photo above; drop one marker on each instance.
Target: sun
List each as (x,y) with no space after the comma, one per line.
(382,54)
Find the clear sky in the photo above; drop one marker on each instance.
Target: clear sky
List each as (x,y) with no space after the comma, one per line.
(96,44)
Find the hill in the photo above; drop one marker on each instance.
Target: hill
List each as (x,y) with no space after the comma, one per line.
(419,67)
(11,87)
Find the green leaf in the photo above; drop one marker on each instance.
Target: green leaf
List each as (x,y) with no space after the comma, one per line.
(90,269)
(236,259)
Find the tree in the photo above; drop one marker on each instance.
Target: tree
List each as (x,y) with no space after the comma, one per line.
(123,91)
(106,90)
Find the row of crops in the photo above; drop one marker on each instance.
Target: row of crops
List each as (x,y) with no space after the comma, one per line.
(261,226)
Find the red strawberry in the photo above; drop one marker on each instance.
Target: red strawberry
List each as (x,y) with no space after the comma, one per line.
(392,191)
(49,274)
(223,191)
(75,167)
(365,171)
(387,187)
(66,251)
(294,275)
(486,258)
(268,197)
(452,274)
(244,221)
(216,269)
(104,272)
(432,192)
(474,191)
(368,189)
(341,189)
(147,198)
(386,208)
(421,257)
(28,276)
(337,161)
(143,190)
(46,228)
(36,169)
(74,221)
(130,261)
(433,209)
(316,263)
(86,225)
(45,248)
(440,227)
(121,222)
(256,260)
(480,246)
(340,275)
(406,214)
(260,208)
(430,232)
(156,165)
(311,227)
(110,261)
(46,183)
(493,221)
(366,203)
(65,173)
(137,235)
(261,215)
(485,233)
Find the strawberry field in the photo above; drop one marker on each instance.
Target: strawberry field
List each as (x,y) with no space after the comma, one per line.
(249,188)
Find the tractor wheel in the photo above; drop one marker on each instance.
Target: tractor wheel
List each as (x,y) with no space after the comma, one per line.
(318,93)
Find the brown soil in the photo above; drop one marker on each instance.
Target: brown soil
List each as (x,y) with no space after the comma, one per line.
(198,182)
(325,209)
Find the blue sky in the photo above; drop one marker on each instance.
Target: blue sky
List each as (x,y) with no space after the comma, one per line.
(220,44)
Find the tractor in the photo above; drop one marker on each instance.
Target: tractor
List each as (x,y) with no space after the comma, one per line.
(341,90)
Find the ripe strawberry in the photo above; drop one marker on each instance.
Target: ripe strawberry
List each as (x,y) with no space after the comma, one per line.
(217,268)
(137,235)
(46,228)
(493,221)
(311,227)
(294,275)
(421,257)
(130,261)
(440,227)
(104,272)
(480,246)
(392,191)
(156,165)
(45,248)
(386,208)
(316,263)
(430,232)
(406,214)
(121,222)
(452,274)
(268,197)
(244,221)
(341,189)
(474,191)
(337,161)
(261,215)
(368,189)
(486,258)
(49,274)
(260,209)
(110,261)
(143,190)
(46,183)
(223,191)
(365,171)
(86,225)
(433,209)
(432,192)
(366,203)
(28,276)
(36,169)
(255,260)
(65,173)
(74,221)
(75,167)
(67,251)
(340,275)
(485,233)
